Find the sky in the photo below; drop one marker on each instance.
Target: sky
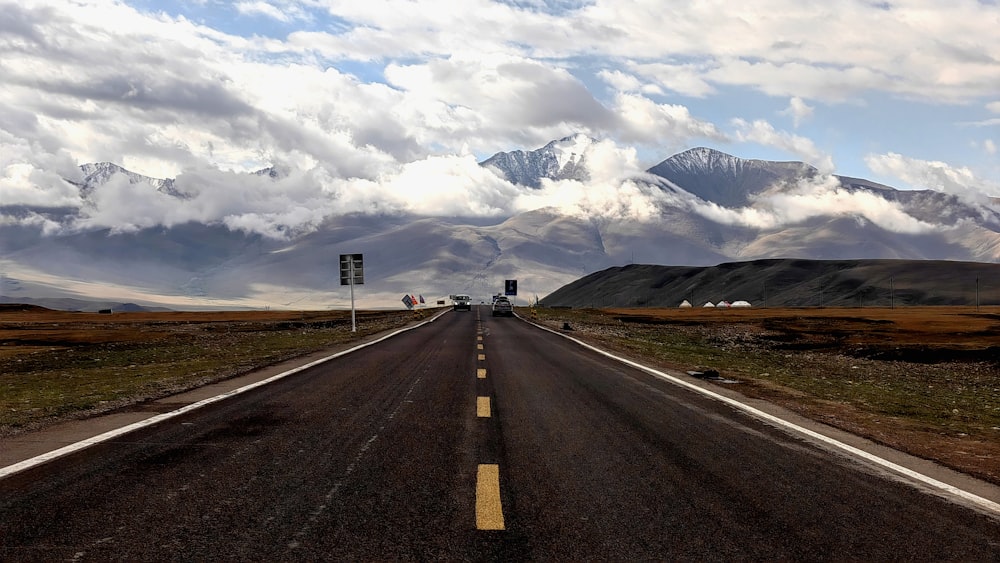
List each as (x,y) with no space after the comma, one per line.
(387,106)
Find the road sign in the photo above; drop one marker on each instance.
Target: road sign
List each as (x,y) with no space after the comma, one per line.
(408,301)
(510,287)
(352,273)
(352,265)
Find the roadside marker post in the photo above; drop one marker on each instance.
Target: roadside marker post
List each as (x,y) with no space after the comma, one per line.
(352,271)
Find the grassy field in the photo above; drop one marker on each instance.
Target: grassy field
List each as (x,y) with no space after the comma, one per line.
(922,380)
(56,364)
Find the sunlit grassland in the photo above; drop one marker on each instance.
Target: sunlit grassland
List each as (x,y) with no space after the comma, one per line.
(66,365)
(826,356)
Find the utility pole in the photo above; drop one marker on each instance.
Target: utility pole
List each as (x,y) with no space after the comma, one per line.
(892,296)
(977,294)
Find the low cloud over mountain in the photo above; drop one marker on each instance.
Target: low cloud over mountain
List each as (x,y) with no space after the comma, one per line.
(449,224)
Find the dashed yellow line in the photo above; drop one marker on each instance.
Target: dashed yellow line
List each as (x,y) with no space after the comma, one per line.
(489,512)
(483,407)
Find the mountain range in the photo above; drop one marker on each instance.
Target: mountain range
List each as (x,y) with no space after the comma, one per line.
(701,207)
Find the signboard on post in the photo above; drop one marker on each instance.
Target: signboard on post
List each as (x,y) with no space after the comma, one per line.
(352,272)
(352,269)
(510,287)
(408,301)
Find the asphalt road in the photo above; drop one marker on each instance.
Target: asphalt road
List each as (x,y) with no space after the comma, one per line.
(474,438)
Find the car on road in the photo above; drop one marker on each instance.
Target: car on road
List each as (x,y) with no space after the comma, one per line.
(461,303)
(502,307)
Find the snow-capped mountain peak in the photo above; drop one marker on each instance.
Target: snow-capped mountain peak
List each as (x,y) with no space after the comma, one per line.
(564,159)
(725,179)
(569,151)
(100,173)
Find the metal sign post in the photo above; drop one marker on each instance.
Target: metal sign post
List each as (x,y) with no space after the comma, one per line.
(510,288)
(352,271)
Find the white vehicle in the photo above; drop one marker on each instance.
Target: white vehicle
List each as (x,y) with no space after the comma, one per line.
(502,307)
(461,302)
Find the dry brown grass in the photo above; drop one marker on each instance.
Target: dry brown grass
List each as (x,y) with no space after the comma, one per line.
(56,364)
(922,380)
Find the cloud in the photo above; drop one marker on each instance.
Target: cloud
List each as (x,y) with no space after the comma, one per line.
(819,197)
(641,120)
(31,175)
(613,191)
(299,202)
(815,81)
(935,175)
(495,97)
(762,132)
(284,13)
(367,107)
(482,74)
(798,110)
(685,79)
(620,81)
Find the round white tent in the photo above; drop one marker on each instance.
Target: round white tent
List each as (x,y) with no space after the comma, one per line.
(685,304)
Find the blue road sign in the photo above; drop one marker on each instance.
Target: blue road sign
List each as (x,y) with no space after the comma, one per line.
(510,287)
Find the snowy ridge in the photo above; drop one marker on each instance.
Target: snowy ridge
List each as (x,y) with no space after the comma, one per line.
(100,173)
(728,180)
(559,160)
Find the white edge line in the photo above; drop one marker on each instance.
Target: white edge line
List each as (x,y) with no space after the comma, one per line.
(83,444)
(895,467)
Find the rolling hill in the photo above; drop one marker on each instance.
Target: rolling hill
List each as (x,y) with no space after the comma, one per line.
(787,283)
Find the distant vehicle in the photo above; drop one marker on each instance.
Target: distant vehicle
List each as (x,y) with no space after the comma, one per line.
(502,307)
(462,303)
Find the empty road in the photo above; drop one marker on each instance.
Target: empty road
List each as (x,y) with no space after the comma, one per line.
(474,438)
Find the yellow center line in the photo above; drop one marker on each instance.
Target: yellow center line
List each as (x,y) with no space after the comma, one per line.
(479,338)
(483,407)
(479,347)
(489,512)
(481,373)
(482,357)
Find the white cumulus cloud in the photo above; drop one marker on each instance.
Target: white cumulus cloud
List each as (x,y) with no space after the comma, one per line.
(762,132)
(935,175)
(819,197)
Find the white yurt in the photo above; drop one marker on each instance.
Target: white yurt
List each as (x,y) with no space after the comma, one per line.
(685,304)
(709,304)
(741,304)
